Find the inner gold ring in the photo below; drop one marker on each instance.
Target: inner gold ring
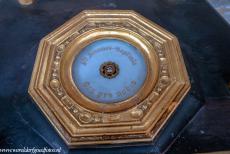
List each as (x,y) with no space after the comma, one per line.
(122,34)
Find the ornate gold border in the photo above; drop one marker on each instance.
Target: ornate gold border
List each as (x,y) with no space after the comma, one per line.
(85,125)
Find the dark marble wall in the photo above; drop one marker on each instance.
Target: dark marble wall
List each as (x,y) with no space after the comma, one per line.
(204,38)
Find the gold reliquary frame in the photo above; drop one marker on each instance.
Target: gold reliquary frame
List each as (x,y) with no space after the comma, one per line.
(81,121)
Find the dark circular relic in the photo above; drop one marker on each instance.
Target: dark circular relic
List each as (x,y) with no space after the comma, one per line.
(109,70)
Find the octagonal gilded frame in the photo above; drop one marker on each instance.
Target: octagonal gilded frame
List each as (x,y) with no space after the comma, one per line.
(80,121)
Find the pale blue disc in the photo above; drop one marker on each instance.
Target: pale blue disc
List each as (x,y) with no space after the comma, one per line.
(129,79)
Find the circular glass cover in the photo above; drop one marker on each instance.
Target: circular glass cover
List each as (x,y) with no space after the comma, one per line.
(109,71)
